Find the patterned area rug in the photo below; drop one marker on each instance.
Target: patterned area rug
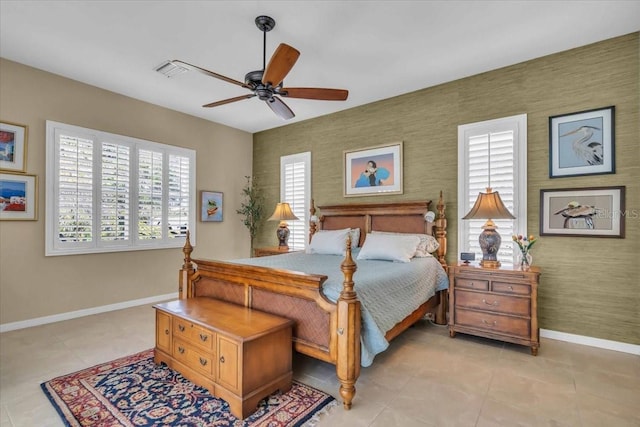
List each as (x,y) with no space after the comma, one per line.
(134,391)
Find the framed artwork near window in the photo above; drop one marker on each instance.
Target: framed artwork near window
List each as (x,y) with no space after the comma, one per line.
(18,197)
(586,212)
(211,206)
(13,147)
(582,143)
(373,171)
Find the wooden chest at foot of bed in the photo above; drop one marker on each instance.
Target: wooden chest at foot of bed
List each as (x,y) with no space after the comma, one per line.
(239,354)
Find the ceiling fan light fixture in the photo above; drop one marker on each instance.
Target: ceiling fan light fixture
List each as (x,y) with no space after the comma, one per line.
(170,69)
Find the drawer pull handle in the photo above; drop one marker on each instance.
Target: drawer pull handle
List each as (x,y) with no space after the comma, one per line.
(203,362)
(489,324)
(221,359)
(510,288)
(166,332)
(494,304)
(181,350)
(181,327)
(471,284)
(203,337)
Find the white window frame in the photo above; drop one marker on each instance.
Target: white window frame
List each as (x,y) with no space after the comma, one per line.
(53,246)
(300,212)
(517,124)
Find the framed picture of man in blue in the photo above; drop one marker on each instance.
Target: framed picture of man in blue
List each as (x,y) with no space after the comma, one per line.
(373,171)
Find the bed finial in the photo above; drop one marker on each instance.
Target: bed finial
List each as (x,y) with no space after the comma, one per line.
(187,249)
(313,220)
(348,267)
(184,285)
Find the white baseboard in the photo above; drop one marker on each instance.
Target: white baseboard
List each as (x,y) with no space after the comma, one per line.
(590,341)
(6,327)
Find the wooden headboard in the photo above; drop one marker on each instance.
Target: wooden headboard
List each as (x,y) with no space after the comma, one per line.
(400,217)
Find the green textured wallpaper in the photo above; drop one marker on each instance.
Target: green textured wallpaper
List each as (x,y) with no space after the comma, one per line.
(589,286)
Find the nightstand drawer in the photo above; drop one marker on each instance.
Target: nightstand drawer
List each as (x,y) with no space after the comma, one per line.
(492,302)
(511,288)
(481,285)
(494,322)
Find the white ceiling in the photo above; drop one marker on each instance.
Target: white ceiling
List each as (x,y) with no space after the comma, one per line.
(375,49)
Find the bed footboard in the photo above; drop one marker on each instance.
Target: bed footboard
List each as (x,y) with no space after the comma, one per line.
(324,330)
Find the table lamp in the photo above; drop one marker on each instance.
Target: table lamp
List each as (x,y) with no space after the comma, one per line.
(283,214)
(489,206)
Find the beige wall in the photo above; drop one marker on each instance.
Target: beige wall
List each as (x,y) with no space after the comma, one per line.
(590,286)
(32,285)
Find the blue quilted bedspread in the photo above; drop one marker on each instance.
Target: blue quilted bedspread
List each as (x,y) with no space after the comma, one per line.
(388,291)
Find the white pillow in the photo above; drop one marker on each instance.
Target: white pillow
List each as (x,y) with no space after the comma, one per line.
(355,238)
(428,244)
(330,242)
(389,247)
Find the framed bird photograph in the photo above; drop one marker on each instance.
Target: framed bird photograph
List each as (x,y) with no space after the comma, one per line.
(586,212)
(582,143)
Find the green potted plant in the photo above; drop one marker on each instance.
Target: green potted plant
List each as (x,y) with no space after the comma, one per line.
(252,208)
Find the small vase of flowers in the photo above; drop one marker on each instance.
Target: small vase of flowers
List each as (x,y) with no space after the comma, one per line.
(524,244)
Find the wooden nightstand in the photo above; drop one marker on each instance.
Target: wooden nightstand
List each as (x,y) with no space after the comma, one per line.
(499,303)
(272,250)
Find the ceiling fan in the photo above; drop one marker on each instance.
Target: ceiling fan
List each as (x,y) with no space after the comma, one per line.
(266,84)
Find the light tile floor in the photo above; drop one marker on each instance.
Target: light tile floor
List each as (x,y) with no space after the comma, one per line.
(425,378)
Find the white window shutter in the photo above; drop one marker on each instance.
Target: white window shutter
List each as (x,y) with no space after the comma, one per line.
(295,189)
(107,192)
(503,173)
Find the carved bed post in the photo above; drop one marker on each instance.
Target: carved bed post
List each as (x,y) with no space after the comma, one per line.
(348,358)
(441,236)
(313,221)
(441,232)
(187,270)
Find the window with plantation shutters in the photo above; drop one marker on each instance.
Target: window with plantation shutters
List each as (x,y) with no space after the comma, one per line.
(493,154)
(108,192)
(295,189)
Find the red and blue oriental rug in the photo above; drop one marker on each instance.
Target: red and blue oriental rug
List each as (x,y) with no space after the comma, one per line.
(134,391)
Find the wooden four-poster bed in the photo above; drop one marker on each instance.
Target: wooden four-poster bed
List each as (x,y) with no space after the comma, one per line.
(324,329)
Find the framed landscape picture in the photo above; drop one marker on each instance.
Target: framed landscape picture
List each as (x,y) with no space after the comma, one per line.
(211,206)
(13,147)
(587,212)
(18,197)
(373,171)
(582,143)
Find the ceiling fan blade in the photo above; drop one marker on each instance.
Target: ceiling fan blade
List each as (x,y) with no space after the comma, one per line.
(280,108)
(230,100)
(315,93)
(280,64)
(209,73)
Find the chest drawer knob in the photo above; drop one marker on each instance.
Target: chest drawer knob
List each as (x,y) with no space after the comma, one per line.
(203,337)
(181,350)
(181,327)
(221,359)
(492,324)
(166,332)
(494,304)
(510,287)
(203,361)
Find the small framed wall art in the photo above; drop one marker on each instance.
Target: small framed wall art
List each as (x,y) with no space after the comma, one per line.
(373,171)
(211,206)
(18,197)
(587,212)
(13,147)
(582,143)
